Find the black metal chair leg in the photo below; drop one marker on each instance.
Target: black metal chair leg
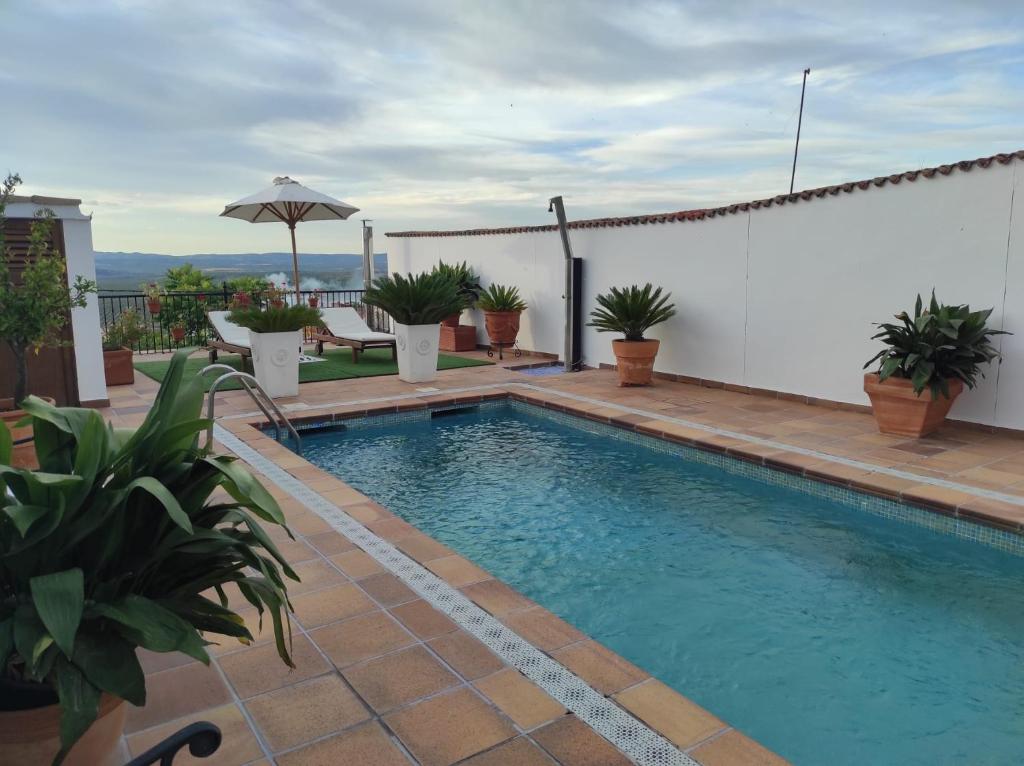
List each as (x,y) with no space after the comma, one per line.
(202,739)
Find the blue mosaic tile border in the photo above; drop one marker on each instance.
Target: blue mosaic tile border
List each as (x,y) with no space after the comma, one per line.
(913,515)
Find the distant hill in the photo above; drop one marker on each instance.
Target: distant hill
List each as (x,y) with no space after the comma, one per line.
(123,271)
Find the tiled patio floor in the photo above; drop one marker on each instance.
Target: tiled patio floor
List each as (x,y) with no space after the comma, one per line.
(382,677)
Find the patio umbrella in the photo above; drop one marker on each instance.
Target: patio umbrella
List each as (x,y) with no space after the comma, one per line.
(289,202)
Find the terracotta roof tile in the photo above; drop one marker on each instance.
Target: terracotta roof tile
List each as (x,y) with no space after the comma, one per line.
(702,214)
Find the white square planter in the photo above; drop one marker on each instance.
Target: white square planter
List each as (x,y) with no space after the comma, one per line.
(417,351)
(275,360)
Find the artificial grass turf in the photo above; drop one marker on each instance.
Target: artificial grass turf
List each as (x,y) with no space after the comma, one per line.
(339,366)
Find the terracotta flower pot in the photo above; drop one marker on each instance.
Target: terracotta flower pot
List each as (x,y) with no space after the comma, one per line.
(634,361)
(117,367)
(898,410)
(314,301)
(32,736)
(153,305)
(502,326)
(24,455)
(178,333)
(452,321)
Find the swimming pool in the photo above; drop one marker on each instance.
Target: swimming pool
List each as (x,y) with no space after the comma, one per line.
(826,633)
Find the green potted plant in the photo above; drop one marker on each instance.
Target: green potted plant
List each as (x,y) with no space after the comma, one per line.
(632,311)
(118,340)
(154,297)
(178,330)
(466,283)
(927,360)
(417,303)
(124,539)
(34,308)
(502,309)
(275,337)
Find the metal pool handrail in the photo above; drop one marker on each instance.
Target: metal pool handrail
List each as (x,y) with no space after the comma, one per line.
(251,386)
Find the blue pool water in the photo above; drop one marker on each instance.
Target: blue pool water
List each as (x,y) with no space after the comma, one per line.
(828,634)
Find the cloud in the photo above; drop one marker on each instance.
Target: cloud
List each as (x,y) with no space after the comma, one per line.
(474,112)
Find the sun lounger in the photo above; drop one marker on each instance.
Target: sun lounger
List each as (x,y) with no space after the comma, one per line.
(344,327)
(229,337)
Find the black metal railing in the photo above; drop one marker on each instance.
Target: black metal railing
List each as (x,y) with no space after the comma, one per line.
(180,321)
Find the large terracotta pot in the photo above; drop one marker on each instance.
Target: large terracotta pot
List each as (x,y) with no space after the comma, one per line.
(502,326)
(635,361)
(153,304)
(24,455)
(452,321)
(178,333)
(898,410)
(32,737)
(117,367)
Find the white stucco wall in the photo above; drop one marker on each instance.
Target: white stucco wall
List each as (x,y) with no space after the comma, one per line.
(784,297)
(85,322)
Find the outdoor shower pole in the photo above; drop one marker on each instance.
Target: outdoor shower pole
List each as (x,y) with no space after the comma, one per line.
(367,253)
(799,123)
(555,203)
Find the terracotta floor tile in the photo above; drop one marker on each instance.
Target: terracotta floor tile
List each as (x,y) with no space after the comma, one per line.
(387,589)
(360,638)
(669,713)
(331,604)
(306,711)
(262,632)
(457,571)
(600,667)
(295,551)
(573,743)
(259,669)
(400,678)
(331,543)
(542,629)
(470,657)
(735,749)
(314,575)
(366,745)
(154,662)
(364,513)
(238,744)
(423,620)
(178,692)
(496,597)
(519,698)
(518,752)
(392,529)
(422,547)
(357,564)
(447,728)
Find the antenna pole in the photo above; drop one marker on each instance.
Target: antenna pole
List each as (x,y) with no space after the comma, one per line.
(799,123)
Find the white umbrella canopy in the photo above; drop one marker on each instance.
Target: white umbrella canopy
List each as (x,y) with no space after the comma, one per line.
(289,202)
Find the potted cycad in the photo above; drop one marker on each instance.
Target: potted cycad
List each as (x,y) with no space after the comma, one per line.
(125,539)
(417,303)
(927,360)
(466,283)
(502,309)
(275,337)
(118,340)
(632,311)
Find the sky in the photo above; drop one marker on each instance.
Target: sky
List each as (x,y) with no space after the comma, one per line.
(452,115)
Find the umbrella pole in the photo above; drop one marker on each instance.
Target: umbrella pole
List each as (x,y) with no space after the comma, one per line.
(295,267)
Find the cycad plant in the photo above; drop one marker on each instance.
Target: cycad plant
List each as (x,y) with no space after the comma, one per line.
(937,344)
(415,299)
(274,319)
(631,310)
(126,538)
(466,282)
(501,298)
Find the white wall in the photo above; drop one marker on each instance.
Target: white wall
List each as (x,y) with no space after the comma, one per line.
(784,297)
(85,322)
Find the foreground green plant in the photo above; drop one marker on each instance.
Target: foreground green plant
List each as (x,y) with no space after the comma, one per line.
(119,541)
(425,298)
(466,282)
(631,310)
(936,345)
(34,308)
(501,298)
(275,318)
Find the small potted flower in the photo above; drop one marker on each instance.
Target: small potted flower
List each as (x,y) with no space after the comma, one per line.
(502,309)
(274,296)
(118,340)
(275,337)
(632,311)
(154,296)
(314,300)
(241,299)
(178,331)
(928,359)
(417,303)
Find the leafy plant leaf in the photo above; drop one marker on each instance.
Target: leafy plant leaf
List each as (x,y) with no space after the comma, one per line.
(59,599)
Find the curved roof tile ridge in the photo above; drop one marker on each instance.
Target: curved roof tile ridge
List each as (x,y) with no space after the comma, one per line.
(701,214)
